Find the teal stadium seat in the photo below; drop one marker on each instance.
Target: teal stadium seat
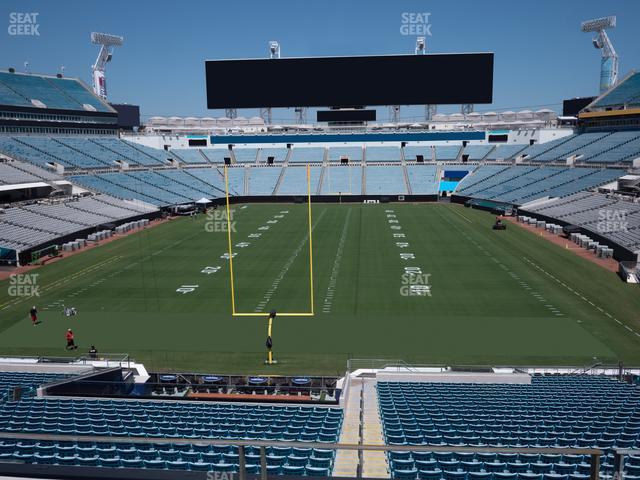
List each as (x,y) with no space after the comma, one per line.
(293,470)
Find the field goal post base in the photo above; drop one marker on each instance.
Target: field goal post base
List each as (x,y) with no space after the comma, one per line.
(234,313)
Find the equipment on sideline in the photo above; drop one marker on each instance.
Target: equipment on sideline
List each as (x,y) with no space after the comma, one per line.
(69,311)
(499,225)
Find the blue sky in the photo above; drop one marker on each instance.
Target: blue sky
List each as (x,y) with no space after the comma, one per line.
(541,57)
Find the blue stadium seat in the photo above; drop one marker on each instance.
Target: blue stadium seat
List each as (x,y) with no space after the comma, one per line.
(317,471)
(61,459)
(93,461)
(155,464)
(177,465)
(454,475)
(430,474)
(274,470)
(404,474)
(44,459)
(505,476)
(132,463)
(224,467)
(529,476)
(109,462)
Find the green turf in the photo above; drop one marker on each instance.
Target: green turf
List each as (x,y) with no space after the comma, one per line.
(496,297)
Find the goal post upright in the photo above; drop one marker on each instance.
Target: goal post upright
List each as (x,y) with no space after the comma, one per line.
(234,313)
(226,188)
(310,237)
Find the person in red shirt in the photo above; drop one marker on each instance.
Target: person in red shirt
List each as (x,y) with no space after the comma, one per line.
(71,345)
(34,315)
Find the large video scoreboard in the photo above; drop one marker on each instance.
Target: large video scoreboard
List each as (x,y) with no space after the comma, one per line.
(458,78)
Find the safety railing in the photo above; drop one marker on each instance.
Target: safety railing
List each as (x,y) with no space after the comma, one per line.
(110,359)
(262,446)
(399,365)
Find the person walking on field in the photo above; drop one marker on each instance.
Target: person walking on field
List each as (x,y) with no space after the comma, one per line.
(71,344)
(34,315)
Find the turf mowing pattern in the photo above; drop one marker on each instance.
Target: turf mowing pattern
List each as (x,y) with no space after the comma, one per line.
(502,298)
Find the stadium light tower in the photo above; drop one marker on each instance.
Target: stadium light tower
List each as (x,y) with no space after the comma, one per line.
(421,49)
(106,42)
(274,53)
(466,108)
(274,49)
(301,115)
(609,62)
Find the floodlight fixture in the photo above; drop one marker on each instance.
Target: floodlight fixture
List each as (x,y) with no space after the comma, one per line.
(106,39)
(609,61)
(598,24)
(106,42)
(274,53)
(274,49)
(421,49)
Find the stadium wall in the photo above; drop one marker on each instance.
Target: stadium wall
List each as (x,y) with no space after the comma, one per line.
(326,199)
(438,137)
(346,137)
(24,256)
(620,253)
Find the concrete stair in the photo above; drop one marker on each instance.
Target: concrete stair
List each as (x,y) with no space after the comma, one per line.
(374,463)
(347,460)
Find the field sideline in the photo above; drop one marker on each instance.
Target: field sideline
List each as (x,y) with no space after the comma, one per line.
(495,297)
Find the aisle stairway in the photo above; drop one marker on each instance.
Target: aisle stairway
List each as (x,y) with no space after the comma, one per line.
(347,460)
(374,463)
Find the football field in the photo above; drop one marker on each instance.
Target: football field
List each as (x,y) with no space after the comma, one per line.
(425,283)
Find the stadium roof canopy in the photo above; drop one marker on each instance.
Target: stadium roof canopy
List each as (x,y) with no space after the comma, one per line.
(23,90)
(624,95)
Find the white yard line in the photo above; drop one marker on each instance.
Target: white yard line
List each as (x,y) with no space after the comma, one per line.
(63,281)
(274,286)
(326,304)
(556,312)
(557,280)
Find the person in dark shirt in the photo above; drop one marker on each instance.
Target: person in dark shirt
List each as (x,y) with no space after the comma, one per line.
(93,352)
(34,315)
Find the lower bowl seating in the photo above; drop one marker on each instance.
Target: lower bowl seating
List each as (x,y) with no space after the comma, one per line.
(573,411)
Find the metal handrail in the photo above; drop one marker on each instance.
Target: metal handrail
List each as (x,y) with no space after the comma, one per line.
(379,363)
(594,453)
(105,357)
